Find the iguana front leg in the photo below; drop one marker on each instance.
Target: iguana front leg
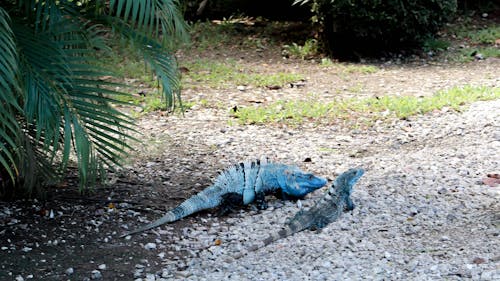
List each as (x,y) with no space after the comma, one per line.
(285,196)
(260,201)
(349,205)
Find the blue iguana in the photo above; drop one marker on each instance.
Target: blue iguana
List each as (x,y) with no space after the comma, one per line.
(326,210)
(243,184)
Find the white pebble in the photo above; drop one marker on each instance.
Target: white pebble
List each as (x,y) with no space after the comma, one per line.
(96,274)
(150,246)
(102,267)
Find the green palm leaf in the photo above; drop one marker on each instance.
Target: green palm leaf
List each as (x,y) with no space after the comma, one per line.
(156,17)
(9,88)
(142,23)
(55,107)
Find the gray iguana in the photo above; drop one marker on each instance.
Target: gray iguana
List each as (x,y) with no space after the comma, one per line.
(326,210)
(243,184)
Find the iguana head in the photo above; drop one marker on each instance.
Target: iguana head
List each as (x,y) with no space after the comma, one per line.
(297,183)
(348,179)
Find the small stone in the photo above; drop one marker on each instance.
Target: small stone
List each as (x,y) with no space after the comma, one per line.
(444,238)
(19,278)
(150,246)
(138,272)
(479,56)
(241,88)
(442,191)
(102,267)
(69,271)
(26,249)
(183,274)
(165,273)
(96,274)
(150,277)
(490,275)
(387,255)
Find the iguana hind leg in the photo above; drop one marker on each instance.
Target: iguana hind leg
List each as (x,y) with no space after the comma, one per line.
(230,202)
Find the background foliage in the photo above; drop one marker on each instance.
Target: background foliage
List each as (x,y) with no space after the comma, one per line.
(372,26)
(56,105)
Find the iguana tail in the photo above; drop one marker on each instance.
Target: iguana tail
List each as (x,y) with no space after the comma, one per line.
(206,199)
(290,229)
(168,217)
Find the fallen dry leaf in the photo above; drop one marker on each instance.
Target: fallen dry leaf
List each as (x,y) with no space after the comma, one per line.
(495,176)
(492,182)
(478,260)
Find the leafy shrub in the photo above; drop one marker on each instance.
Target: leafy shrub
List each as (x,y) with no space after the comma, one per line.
(480,5)
(371,26)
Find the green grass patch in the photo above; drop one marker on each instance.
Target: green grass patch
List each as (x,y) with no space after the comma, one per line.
(124,61)
(466,54)
(229,73)
(486,35)
(359,68)
(156,102)
(464,38)
(207,35)
(350,68)
(326,62)
(234,32)
(436,45)
(355,110)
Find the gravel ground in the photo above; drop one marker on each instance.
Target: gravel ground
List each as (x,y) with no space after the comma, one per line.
(422,211)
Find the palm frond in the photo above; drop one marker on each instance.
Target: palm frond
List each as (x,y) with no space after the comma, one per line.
(66,102)
(54,106)
(9,87)
(161,61)
(149,25)
(152,17)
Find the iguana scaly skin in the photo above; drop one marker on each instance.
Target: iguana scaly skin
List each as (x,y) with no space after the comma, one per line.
(326,210)
(243,184)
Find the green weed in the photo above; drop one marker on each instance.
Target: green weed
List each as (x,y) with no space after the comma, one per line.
(436,45)
(308,50)
(467,54)
(326,62)
(207,35)
(359,68)
(229,73)
(355,110)
(486,36)
(156,102)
